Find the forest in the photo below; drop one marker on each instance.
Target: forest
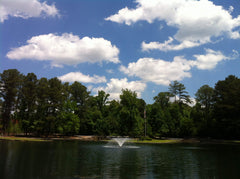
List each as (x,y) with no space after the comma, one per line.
(44,107)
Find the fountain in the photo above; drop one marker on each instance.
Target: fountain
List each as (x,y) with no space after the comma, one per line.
(118,142)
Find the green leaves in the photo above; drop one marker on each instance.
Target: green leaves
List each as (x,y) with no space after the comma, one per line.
(10,81)
(177,89)
(227,105)
(45,107)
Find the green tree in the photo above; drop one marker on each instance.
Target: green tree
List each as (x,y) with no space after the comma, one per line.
(161,122)
(55,103)
(80,95)
(10,81)
(141,106)
(204,108)
(113,117)
(204,96)
(27,102)
(101,100)
(131,122)
(162,99)
(176,116)
(177,89)
(68,122)
(155,116)
(226,107)
(42,106)
(187,127)
(50,100)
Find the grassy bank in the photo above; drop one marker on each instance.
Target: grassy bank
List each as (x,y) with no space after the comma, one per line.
(155,141)
(95,138)
(31,139)
(180,140)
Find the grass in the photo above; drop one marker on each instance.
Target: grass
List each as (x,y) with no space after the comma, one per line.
(23,139)
(155,141)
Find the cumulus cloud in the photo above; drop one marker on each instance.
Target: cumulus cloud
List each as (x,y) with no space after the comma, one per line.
(66,49)
(115,86)
(26,9)
(209,60)
(168,45)
(162,72)
(159,71)
(78,76)
(207,20)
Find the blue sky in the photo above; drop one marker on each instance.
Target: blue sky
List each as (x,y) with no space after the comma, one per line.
(108,45)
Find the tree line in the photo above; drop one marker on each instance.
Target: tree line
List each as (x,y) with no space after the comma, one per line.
(45,107)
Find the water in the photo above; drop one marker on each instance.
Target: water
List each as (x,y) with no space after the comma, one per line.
(76,160)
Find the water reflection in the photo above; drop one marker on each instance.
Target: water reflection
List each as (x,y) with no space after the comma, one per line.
(73,159)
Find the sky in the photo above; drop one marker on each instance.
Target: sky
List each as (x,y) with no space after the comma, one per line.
(110,45)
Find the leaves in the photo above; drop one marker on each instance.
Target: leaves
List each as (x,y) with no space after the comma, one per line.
(47,106)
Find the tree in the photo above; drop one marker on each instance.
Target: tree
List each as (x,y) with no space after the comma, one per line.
(160,120)
(204,96)
(131,121)
(113,117)
(80,96)
(101,100)
(55,103)
(177,89)
(204,108)
(50,100)
(42,106)
(68,122)
(79,93)
(226,107)
(162,99)
(27,102)
(10,81)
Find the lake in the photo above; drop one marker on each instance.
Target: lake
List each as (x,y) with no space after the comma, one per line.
(76,160)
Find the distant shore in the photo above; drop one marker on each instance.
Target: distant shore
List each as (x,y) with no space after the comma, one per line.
(50,138)
(98,138)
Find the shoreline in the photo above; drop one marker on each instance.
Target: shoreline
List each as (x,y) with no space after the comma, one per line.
(101,139)
(48,139)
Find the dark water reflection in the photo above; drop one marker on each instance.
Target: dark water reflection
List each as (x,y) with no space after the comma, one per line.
(73,159)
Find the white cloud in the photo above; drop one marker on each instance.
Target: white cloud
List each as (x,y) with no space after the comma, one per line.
(115,86)
(78,76)
(168,45)
(110,71)
(163,72)
(66,49)
(192,103)
(26,9)
(230,9)
(159,71)
(209,60)
(197,21)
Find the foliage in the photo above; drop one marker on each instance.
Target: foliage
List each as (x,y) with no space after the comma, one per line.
(131,122)
(226,107)
(177,90)
(10,81)
(48,106)
(68,122)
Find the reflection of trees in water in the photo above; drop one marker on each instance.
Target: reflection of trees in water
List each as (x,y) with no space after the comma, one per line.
(38,159)
(117,162)
(74,159)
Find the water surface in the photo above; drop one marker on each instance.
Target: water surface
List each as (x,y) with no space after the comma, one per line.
(74,159)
